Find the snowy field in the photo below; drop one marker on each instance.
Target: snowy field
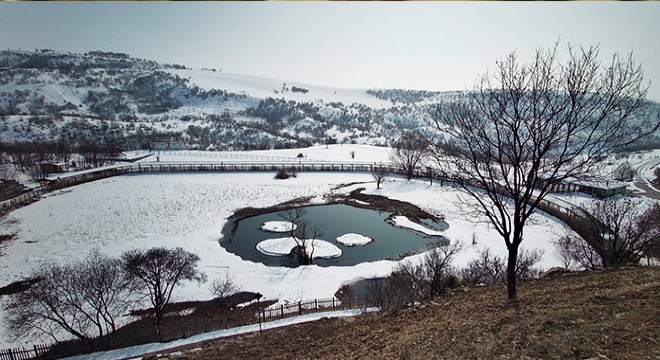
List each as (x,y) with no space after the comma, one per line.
(190,210)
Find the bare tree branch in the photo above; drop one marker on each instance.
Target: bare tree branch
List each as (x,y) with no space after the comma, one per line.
(529,126)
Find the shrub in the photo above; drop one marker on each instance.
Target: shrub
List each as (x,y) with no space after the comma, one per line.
(410,283)
(490,269)
(224,287)
(344,294)
(282,174)
(619,232)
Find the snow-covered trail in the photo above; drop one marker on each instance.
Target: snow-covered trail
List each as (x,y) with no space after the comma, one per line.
(141,350)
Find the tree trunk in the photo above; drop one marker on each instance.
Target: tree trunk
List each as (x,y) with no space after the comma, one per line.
(511,273)
(159,320)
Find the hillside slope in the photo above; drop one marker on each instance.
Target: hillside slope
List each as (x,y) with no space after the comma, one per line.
(112,97)
(593,315)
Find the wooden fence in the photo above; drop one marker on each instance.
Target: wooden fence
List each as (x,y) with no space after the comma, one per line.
(66,180)
(182,328)
(272,313)
(37,351)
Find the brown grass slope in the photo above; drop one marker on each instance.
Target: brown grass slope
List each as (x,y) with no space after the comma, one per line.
(599,315)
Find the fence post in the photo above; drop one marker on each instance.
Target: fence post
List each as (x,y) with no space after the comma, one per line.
(299,307)
(316,305)
(333,304)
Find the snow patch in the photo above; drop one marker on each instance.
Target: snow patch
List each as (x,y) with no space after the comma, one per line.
(319,249)
(352,239)
(278,226)
(404,222)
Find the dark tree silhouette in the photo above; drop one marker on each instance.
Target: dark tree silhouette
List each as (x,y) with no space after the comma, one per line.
(380,173)
(529,126)
(160,270)
(303,233)
(616,231)
(83,299)
(408,152)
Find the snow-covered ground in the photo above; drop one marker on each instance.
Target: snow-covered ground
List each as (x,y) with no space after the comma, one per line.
(190,210)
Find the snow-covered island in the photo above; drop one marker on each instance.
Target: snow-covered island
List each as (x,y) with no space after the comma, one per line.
(318,249)
(352,239)
(278,226)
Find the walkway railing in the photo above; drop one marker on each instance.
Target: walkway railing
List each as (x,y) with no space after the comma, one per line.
(67,180)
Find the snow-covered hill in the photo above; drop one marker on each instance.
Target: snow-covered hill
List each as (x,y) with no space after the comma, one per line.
(111,97)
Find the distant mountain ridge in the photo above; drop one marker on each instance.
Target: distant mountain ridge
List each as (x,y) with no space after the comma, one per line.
(113,98)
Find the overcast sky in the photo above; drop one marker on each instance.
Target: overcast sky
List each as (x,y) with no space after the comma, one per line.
(411,45)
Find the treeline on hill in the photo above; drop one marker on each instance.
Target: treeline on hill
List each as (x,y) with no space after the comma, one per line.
(403,96)
(39,159)
(121,86)
(112,95)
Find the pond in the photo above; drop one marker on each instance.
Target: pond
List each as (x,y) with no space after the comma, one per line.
(389,242)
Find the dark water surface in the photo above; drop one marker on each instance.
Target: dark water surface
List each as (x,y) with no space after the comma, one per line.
(336,220)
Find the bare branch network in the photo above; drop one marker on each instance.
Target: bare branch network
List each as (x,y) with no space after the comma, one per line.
(529,126)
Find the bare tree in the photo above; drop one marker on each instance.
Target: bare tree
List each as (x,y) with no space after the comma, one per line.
(63,150)
(161,270)
(489,269)
(224,286)
(82,299)
(575,252)
(528,127)
(380,174)
(91,154)
(618,231)
(623,172)
(408,152)
(303,233)
(485,269)
(28,157)
(7,173)
(410,282)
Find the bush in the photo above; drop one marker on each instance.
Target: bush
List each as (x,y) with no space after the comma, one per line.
(485,269)
(411,283)
(224,287)
(282,174)
(344,294)
(624,172)
(616,233)
(490,269)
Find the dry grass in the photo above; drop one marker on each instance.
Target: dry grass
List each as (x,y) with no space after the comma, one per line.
(599,315)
